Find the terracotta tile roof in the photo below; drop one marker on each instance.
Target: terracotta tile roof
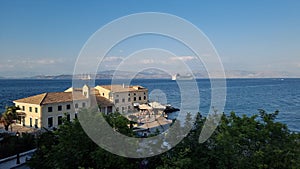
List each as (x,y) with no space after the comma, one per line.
(37,99)
(102,101)
(71,89)
(53,97)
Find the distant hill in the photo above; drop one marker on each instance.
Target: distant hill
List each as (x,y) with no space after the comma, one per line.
(158,74)
(256,74)
(52,77)
(149,74)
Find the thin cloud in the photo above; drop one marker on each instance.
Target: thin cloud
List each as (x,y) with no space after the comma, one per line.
(30,63)
(184,58)
(113,59)
(147,61)
(41,61)
(46,61)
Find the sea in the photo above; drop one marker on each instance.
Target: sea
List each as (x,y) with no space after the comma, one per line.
(243,96)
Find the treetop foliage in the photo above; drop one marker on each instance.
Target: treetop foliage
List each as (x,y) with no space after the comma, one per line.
(257,141)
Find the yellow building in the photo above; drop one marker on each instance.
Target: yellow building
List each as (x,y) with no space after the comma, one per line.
(48,109)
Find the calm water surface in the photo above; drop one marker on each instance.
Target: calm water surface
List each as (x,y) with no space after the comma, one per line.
(244,96)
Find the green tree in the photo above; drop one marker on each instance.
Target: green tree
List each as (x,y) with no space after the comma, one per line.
(119,123)
(250,142)
(9,116)
(238,142)
(257,141)
(70,147)
(11,145)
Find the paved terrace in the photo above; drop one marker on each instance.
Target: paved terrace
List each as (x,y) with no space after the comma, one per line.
(19,128)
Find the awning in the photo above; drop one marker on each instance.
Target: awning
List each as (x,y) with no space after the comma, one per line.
(136,104)
(157,105)
(144,107)
(21,114)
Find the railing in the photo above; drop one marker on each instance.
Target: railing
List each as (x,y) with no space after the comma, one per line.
(10,162)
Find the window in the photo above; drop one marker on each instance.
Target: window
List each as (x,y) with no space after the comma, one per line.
(36,109)
(128,94)
(68,106)
(128,107)
(50,122)
(68,117)
(36,123)
(30,109)
(129,99)
(134,93)
(117,101)
(140,98)
(49,109)
(23,108)
(83,104)
(117,95)
(59,120)
(145,97)
(76,116)
(134,99)
(123,109)
(102,94)
(144,93)
(76,106)
(30,122)
(123,100)
(59,108)
(23,121)
(109,109)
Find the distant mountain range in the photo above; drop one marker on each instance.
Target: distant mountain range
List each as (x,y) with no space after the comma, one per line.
(150,74)
(158,74)
(260,74)
(51,77)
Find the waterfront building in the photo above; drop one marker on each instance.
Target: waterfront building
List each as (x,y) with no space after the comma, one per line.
(124,98)
(48,109)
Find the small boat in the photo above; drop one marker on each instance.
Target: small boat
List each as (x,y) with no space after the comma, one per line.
(170,109)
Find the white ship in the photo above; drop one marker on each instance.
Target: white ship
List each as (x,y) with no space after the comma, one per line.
(83,77)
(181,77)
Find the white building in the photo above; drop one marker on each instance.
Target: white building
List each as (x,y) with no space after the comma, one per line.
(123,97)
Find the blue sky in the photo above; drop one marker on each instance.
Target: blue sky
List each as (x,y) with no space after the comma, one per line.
(45,37)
